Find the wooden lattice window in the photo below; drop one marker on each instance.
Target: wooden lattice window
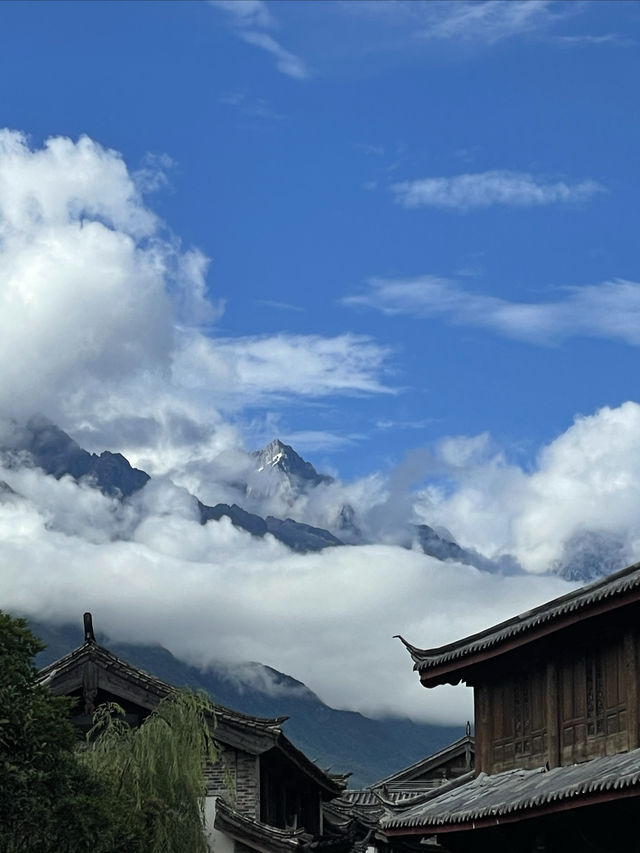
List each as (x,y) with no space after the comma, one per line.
(522,717)
(595,687)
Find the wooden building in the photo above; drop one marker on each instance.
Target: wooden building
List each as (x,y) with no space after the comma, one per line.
(556,729)
(448,763)
(404,785)
(357,812)
(263,794)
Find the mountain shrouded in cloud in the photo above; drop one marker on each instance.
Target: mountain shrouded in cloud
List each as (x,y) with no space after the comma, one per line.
(106,328)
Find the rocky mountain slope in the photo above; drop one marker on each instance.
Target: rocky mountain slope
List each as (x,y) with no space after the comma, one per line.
(293,468)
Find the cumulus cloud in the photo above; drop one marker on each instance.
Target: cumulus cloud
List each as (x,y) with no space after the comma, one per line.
(608,310)
(69,212)
(485,189)
(578,504)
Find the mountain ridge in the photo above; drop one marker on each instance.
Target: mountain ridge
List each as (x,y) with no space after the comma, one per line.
(58,454)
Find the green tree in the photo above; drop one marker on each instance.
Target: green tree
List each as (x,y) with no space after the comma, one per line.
(157,770)
(48,801)
(127,791)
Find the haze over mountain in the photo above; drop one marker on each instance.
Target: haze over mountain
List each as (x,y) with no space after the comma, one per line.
(39,445)
(43,444)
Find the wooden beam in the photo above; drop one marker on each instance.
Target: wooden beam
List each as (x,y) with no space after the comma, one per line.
(552,715)
(484,730)
(631,678)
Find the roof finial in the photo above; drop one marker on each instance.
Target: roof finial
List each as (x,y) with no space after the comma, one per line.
(468,729)
(89,636)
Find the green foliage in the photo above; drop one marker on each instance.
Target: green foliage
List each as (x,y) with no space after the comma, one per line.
(157,770)
(128,791)
(48,802)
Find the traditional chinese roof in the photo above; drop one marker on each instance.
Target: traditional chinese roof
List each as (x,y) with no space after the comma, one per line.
(255,834)
(517,795)
(444,664)
(265,838)
(400,790)
(402,779)
(364,808)
(255,735)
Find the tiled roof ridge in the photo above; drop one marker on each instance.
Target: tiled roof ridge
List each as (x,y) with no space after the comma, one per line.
(222,806)
(427,760)
(538,787)
(578,599)
(249,830)
(425,796)
(93,650)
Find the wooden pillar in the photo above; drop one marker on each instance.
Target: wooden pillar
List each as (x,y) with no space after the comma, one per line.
(552,721)
(631,677)
(484,729)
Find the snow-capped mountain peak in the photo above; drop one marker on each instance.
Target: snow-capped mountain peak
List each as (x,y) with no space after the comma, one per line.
(281,456)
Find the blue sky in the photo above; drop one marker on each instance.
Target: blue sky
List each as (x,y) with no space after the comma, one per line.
(401,236)
(318,156)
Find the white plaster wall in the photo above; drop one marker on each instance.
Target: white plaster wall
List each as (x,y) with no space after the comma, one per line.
(217,841)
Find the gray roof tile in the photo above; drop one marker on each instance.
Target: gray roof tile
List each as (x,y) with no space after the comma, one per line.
(579,600)
(519,791)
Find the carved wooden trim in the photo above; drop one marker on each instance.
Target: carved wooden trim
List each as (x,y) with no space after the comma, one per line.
(631,677)
(484,729)
(552,715)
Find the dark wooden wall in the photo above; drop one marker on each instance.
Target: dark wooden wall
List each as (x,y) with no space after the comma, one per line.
(565,700)
(288,798)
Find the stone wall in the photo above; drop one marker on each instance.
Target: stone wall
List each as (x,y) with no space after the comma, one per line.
(236,777)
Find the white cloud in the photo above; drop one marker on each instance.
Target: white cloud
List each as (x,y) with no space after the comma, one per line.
(180,428)
(255,107)
(286,62)
(488,22)
(247,13)
(485,189)
(325,618)
(281,365)
(83,292)
(585,486)
(153,173)
(310,440)
(280,306)
(251,18)
(610,310)
(174,422)
(589,39)
(472,22)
